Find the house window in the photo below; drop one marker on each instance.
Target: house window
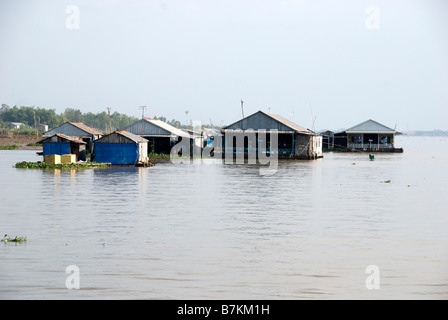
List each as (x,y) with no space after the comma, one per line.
(386,140)
(356,139)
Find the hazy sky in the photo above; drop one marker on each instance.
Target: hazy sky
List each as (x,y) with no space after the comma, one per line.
(342,62)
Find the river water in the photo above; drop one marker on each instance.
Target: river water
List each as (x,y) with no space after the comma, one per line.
(214,231)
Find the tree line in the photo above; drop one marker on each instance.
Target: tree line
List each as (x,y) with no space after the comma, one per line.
(32,117)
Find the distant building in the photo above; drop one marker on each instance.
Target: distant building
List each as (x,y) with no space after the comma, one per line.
(78,130)
(367,136)
(43,127)
(15,125)
(61,144)
(197,137)
(208,136)
(327,140)
(294,141)
(121,148)
(160,135)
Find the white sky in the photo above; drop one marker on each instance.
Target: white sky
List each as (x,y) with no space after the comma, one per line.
(206,55)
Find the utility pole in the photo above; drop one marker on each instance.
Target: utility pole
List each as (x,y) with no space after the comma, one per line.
(110,122)
(35,122)
(143,116)
(186,118)
(313,118)
(143,108)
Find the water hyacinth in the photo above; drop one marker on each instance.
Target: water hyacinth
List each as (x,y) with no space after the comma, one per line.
(7,239)
(72,166)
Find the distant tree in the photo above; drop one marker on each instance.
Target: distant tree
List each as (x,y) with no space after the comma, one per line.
(162,118)
(4,108)
(32,116)
(73,115)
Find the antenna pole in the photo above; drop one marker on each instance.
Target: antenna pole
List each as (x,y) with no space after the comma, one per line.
(144,108)
(312,117)
(242,107)
(143,115)
(110,122)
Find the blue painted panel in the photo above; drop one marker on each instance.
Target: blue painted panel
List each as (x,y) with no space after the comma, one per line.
(116,153)
(56,148)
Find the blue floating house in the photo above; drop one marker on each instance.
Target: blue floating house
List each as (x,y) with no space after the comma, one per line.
(121,148)
(61,144)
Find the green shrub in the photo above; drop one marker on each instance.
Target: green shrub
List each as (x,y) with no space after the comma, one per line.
(10,147)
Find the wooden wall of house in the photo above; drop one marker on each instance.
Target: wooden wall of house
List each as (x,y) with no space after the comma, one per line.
(308,146)
(142,151)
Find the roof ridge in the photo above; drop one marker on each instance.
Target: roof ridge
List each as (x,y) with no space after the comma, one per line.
(289,123)
(86,128)
(367,121)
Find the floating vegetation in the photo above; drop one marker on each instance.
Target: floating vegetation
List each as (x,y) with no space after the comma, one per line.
(159,156)
(387,181)
(10,147)
(7,239)
(71,166)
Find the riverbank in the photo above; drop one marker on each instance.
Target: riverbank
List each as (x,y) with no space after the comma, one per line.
(22,141)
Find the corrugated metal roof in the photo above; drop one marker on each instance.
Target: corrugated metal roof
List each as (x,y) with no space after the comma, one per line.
(86,128)
(63,136)
(74,129)
(168,127)
(281,123)
(154,128)
(288,123)
(131,136)
(370,126)
(124,133)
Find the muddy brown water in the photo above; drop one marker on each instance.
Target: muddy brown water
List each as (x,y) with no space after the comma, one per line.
(214,231)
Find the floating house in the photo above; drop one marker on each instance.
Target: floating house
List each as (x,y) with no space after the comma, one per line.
(78,130)
(327,140)
(160,135)
(121,148)
(294,141)
(197,139)
(60,144)
(368,136)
